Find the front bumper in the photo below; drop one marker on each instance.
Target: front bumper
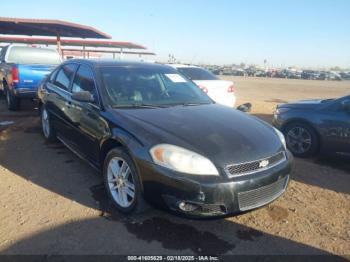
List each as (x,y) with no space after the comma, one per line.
(200,196)
(278,120)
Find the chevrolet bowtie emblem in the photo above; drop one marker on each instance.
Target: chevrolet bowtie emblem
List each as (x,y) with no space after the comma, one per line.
(263,163)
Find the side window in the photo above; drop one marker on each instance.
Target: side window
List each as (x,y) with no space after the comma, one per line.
(64,76)
(84,81)
(52,76)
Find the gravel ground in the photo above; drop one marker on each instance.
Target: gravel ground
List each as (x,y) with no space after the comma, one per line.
(53,203)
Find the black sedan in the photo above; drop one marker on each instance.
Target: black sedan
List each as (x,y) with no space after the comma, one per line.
(313,126)
(156,136)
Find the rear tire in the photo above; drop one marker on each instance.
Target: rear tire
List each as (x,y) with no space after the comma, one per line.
(12,101)
(123,183)
(301,139)
(48,130)
(2,93)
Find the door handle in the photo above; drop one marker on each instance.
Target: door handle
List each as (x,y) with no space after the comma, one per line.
(68,104)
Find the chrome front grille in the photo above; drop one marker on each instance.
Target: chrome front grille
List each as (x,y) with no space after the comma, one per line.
(255,166)
(261,196)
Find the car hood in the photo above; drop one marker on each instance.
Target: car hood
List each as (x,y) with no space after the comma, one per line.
(304,104)
(222,134)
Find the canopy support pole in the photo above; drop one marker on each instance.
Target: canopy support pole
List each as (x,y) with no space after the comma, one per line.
(58,42)
(121,53)
(84,51)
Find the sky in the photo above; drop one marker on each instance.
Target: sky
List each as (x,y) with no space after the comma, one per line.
(304,33)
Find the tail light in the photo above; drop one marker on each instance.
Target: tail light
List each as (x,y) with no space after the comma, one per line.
(231,89)
(15,74)
(204,89)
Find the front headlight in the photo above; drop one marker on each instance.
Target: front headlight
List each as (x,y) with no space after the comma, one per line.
(281,110)
(182,160)
(281,136)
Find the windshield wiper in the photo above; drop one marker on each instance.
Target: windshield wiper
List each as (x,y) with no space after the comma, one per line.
(138,106)
(193,104)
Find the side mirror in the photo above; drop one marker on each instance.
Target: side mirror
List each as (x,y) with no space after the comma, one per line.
(346,106)
(83,96)
(247,107)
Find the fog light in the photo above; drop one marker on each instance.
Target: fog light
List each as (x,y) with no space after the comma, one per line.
(187,207)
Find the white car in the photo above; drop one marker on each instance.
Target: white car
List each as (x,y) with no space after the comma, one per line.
(221,91)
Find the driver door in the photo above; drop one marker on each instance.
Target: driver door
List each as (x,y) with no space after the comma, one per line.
(89,126)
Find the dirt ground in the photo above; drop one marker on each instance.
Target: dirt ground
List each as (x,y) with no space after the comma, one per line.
(53,203)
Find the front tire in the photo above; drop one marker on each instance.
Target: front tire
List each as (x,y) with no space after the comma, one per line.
(46,125)
(123,183)
(301,139)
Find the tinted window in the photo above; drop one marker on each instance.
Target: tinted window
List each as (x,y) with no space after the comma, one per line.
(65,75)
(52,76)
(31,55)
(84,81)
(158,86)
(194,73)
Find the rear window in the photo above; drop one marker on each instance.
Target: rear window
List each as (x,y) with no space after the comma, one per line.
(194,73)
(65,75)
(31,55)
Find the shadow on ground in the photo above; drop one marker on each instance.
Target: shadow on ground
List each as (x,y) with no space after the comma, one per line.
(55,168)
(113,233)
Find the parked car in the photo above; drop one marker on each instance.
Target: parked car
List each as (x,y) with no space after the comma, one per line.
(156,136)
(313,126)
(334,76)
(21,70)
(260,73)
(292,74)
(250,71)
(345,75)
(216,71)
(310,75)
(221,91)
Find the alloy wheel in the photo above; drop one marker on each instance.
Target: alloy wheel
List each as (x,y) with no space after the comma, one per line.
(120,182)
(45,123)
(299,140)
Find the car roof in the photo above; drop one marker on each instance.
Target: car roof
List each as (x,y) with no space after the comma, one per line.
(119,63)
(182,66)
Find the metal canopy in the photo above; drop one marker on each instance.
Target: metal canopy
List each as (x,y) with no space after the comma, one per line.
(65,50)
(45,27)
(71,42)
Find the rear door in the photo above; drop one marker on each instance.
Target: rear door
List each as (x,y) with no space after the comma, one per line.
(59,99)
(89,126)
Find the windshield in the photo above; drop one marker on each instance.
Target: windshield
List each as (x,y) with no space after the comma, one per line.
(195,73)
(31,55)
(130,86)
